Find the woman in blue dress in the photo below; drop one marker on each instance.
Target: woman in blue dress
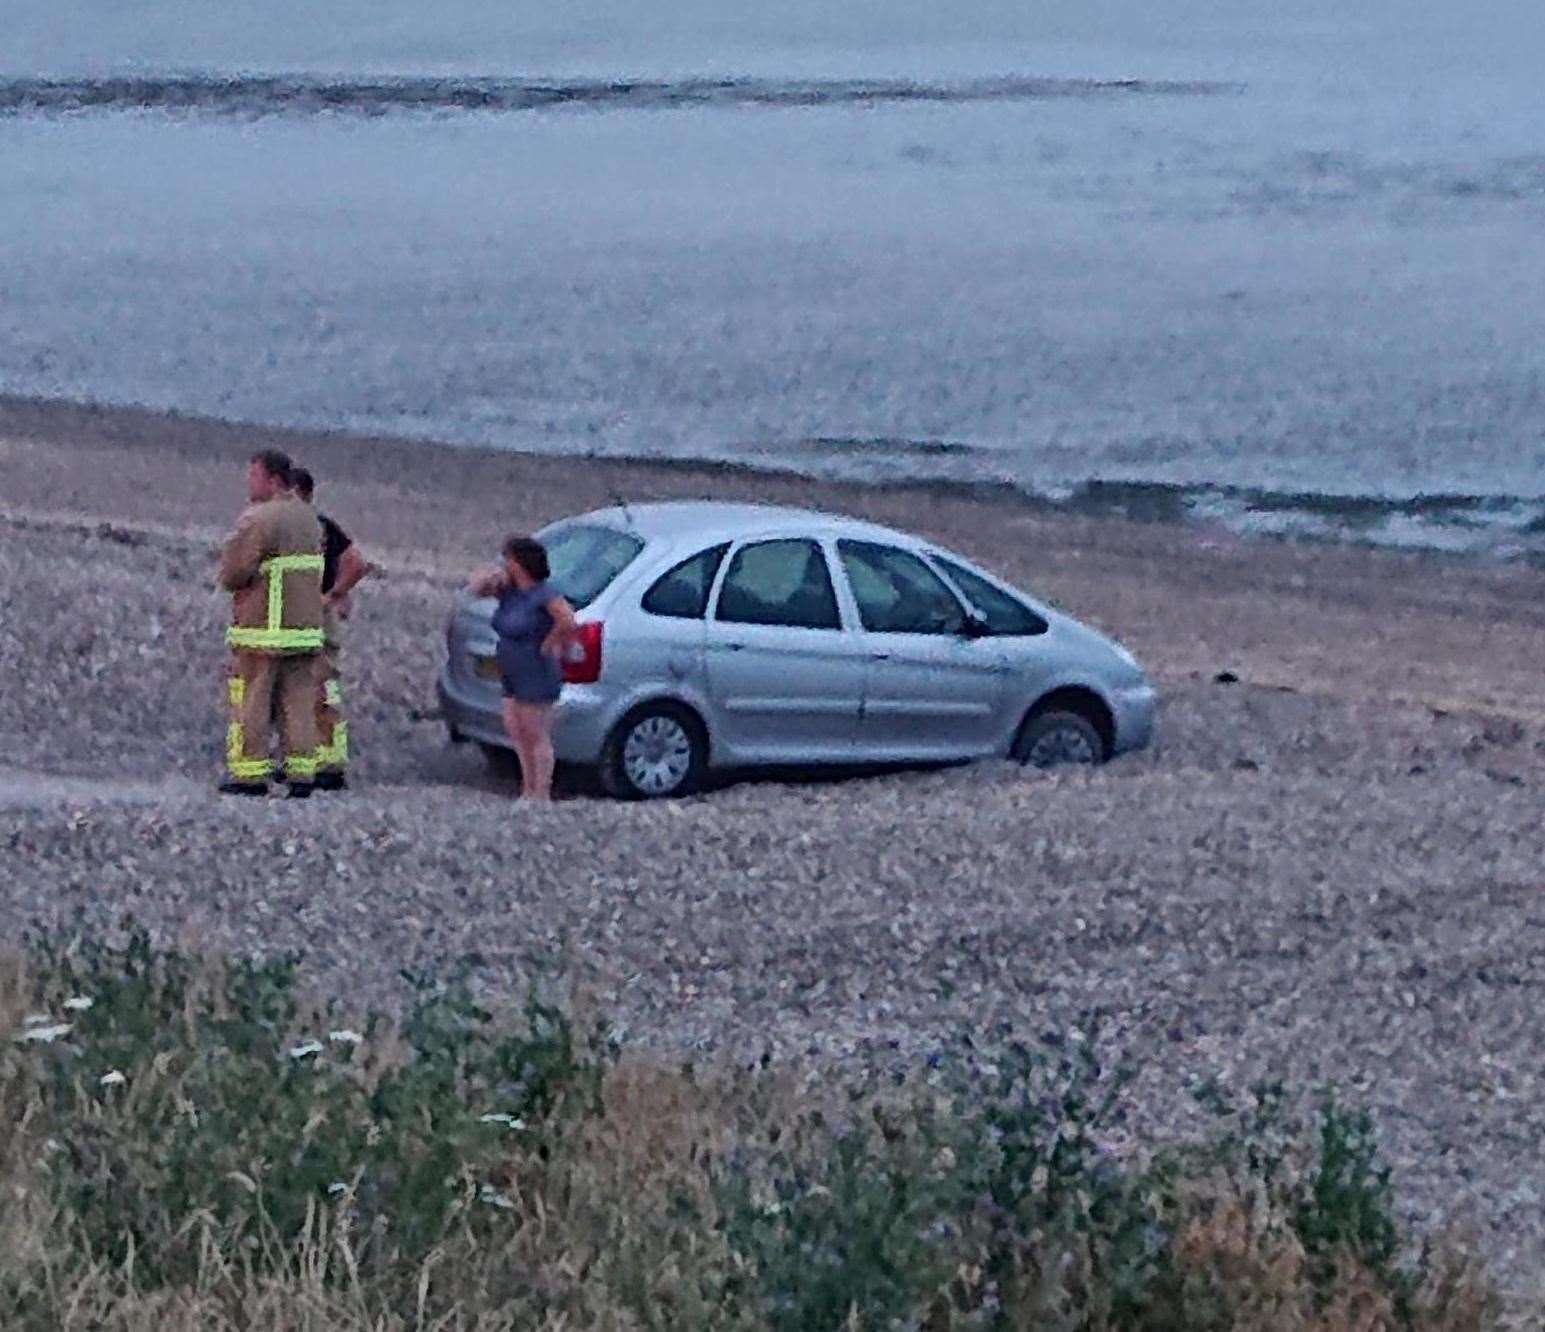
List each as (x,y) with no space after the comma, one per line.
(534,625)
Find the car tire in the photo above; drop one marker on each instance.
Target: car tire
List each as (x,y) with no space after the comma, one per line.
(657,750)
(1056,737)
(501,762)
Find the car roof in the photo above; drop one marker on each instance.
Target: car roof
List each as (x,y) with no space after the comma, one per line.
(708,519)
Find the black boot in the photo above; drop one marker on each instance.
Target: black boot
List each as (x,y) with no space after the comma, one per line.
(298,791)
(244,788)
(331,781)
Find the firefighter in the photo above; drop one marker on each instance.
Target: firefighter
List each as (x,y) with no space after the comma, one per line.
(342,568)
(272,567)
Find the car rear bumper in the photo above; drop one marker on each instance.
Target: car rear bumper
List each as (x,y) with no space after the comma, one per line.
(1134,709)
(472,711)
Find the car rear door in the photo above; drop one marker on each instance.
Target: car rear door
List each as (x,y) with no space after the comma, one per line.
(667,645)
(930,691)
(785,675)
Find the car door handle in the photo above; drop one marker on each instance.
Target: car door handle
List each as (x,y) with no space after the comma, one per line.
(879,656)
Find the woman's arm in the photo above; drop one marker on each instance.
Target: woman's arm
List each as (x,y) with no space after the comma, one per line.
(488,583)
(564,627)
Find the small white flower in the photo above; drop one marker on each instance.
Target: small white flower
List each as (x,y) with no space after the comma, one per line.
(494,1198)
(52,1033)
(337,1186)
(113,1079)
(344,1036)
(509,1121)
(305,1048)
(79,1002)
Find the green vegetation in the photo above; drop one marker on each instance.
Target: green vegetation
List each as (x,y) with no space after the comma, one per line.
(190,1144)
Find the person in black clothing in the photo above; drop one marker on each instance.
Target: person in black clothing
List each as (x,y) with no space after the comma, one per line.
(342,568)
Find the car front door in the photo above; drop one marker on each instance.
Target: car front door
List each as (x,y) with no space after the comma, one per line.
(785,677)
(1020,632)
(930,690)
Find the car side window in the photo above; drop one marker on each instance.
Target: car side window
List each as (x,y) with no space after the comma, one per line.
(779,582)
(896,592)
(682,592)
(1004,615)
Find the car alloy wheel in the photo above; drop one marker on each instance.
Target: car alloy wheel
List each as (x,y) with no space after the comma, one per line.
(1056,738)
(657,752)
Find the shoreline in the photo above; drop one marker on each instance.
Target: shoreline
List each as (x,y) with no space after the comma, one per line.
(1504,529)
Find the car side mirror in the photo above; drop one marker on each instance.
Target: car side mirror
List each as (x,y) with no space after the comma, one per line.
(973,625)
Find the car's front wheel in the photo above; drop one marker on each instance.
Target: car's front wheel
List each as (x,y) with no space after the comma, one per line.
(657,750)
(1055,737)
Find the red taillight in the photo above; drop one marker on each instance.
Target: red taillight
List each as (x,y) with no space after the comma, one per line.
(582,657)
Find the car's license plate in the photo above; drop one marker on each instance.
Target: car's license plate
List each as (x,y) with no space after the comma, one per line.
(487,667)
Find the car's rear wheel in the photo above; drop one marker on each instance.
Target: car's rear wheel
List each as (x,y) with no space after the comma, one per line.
(1056,737)
(657,750)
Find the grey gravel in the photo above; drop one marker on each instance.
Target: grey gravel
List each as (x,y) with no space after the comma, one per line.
(1309,883)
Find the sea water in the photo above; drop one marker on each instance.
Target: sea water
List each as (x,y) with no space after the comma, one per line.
(1275,265)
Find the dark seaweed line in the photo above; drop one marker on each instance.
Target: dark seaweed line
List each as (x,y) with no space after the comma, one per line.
(300,96)
(1496,522)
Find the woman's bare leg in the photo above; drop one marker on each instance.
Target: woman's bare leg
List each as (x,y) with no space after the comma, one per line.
(514,728)
(534,722)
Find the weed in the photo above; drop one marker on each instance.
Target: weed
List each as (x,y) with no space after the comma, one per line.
(194,1143)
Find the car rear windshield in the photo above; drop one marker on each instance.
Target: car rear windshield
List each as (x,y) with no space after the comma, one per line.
(585,560)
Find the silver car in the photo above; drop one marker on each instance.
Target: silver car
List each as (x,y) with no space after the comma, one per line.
(720,636)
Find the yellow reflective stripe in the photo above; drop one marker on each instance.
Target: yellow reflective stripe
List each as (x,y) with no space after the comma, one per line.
(335,755)
(302,766)
(297,639)
(274,569)
(275,596)
(275,640)
(241,768)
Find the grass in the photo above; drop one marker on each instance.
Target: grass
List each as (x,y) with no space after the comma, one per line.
(187,1143)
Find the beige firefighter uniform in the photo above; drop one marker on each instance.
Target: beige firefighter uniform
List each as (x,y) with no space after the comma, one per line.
(272,566)
(332,730)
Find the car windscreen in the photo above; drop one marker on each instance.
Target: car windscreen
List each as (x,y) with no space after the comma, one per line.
(1002,614)
(586,559)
